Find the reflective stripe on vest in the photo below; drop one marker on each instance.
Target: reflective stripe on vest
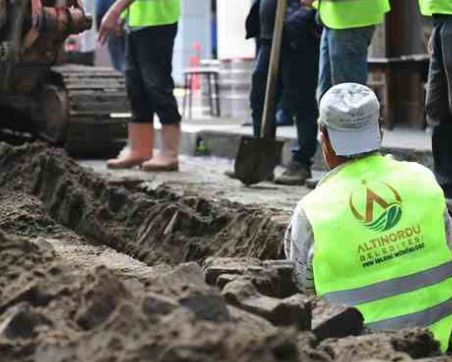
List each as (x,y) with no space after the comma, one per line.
(391,287)
(352,13)
(430,7)
(424,318)
(144,13)
(380,244)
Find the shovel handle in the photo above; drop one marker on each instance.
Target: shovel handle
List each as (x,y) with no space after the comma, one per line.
(272,80)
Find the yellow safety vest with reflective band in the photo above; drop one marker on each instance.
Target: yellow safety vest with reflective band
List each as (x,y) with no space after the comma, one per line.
(430,7)
(380,245)
(143,13)
(346,14)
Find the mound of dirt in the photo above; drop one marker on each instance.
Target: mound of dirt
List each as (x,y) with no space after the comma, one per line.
(54,307)
(54,313)
(50,312)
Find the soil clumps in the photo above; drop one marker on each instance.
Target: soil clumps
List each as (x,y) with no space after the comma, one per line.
(207,289)
(53,313)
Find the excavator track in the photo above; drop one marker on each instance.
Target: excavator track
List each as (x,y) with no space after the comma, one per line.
(98,110)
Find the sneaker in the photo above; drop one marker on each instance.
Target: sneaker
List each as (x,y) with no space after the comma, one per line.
(296,174)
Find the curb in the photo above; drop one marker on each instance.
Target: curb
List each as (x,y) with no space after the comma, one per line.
(225,144)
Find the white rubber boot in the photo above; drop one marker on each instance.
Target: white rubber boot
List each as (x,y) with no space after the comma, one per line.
(141,141)
(168,157)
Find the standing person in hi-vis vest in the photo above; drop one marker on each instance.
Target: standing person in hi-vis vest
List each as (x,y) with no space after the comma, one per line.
(151,29)
(349,26)
(439,92)
(375,233)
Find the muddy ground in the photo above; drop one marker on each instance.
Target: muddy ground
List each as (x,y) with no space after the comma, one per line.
(92,270)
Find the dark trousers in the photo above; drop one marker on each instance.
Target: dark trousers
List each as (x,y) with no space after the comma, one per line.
(297,87)
(439,101)
(259,86)
(150,84)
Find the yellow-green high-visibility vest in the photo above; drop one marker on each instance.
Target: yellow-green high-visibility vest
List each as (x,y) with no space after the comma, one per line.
(380,245)
(430,7)
(346,14)
(143,13)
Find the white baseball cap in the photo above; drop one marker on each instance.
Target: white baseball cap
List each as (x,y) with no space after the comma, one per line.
(350,112)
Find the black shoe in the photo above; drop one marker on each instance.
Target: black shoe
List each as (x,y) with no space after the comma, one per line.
(311,183)
(231,174)
(296,174)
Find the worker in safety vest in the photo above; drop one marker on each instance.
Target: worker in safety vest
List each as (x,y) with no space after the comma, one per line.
(349,26)
(375,233)
(439,93)
(151,30)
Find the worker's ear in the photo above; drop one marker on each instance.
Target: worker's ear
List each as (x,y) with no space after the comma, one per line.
(324,140)
(329,156)
(320,136)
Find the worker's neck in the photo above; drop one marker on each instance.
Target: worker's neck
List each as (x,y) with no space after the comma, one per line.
(336,161)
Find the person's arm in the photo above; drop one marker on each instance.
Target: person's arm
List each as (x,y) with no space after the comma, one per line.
(110,22)
(299,248)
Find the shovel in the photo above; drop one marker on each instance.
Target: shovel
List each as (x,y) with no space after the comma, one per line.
(257,157)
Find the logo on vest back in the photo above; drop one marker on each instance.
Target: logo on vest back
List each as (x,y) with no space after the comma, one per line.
(383,205)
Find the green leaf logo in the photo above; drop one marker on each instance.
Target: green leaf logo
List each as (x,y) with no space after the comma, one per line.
(380,205)
(387,220)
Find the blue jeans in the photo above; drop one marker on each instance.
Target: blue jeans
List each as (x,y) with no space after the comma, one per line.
(343,57)
(101,8)
(117,49)
(116,44)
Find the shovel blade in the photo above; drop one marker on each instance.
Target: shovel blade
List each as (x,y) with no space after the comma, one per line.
(256,159)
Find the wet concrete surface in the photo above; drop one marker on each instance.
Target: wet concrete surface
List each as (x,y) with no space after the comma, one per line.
(205,175)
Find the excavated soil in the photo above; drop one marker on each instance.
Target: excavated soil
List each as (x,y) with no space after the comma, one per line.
(91,271)
(37,183)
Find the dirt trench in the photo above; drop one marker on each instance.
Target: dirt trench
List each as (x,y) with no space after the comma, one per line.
(153,226)
(91,271)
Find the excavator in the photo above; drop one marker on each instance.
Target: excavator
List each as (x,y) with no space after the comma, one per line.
(82,108)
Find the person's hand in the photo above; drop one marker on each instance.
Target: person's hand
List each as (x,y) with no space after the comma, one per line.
(109,25)
(307,2)
(120,30)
